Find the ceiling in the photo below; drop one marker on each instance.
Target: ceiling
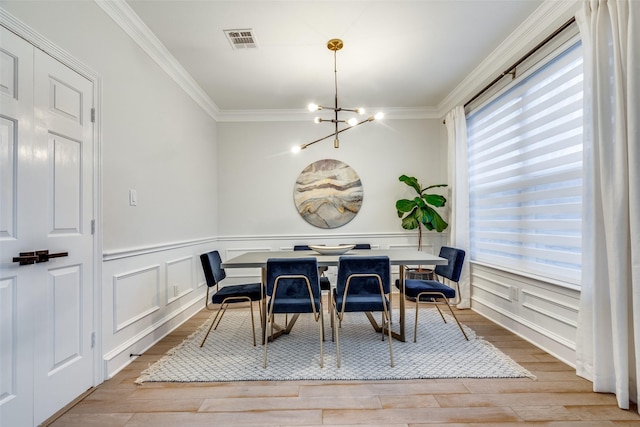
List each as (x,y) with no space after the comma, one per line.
(397,53)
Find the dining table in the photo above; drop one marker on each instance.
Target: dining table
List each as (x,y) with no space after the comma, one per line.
(400,257)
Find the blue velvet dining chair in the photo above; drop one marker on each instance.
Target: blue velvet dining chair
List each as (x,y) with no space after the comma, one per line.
(293,287)
(325,283)
(436,291)
(229,294)
(363,285)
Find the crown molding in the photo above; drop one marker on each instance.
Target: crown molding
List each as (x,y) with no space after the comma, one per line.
(18,27)
(128,20)
(550,15)
(545,19)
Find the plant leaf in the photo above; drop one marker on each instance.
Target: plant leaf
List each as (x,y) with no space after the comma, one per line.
(409,222)
(419,211)
(411,181)
(435,200)
(405,205)
(439,223)
(426,215)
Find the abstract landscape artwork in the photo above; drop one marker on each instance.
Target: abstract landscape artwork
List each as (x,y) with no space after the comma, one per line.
(328,193)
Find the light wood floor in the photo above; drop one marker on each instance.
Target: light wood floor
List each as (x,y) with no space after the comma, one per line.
(556,398)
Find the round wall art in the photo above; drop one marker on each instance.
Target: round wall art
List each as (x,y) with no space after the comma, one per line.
(328,193)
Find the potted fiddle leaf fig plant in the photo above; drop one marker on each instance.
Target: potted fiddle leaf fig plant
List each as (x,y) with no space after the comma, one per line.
(419,211)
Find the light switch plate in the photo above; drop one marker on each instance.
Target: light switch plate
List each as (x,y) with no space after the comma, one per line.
(133,198)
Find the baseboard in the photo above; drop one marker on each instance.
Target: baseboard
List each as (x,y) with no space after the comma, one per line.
(561,351)
(120,357)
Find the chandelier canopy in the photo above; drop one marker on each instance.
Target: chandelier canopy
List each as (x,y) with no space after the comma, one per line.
(335,45)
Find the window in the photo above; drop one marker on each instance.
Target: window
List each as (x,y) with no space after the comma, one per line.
(525,172)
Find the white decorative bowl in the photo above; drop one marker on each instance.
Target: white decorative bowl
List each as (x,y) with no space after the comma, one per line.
(331,250)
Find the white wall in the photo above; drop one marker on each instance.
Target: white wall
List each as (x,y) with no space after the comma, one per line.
(154,139)
(257,172)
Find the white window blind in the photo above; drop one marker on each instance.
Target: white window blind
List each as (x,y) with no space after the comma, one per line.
(525,173)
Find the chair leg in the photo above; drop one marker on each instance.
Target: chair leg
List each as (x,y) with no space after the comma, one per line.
(329,308)
(321,338)
(337,335)
(390,311)
(333,325)
(415,327)
(266,339)
(253,326)
(440,311)
(456,319)
(332,321)
(322,320)
(435,297)
(390,343)
(224,307)
(213,322)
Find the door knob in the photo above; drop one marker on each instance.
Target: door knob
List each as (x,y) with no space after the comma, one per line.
(28,258)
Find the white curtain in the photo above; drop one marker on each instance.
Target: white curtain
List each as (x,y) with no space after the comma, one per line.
(458,182)
(608,338)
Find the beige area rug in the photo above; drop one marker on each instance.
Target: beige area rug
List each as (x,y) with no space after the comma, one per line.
(229,354)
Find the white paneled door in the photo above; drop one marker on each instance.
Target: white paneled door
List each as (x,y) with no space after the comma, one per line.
(46,204)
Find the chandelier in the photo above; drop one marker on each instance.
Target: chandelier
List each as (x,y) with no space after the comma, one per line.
(335,45)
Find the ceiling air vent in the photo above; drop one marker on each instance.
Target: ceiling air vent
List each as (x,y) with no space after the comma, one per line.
(242,39)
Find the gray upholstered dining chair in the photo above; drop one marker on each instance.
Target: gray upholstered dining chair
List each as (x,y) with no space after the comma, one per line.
(363,284)
(437,292)
(293,287)
(229,294)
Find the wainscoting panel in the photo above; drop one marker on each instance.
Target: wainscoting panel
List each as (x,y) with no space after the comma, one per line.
(542,313)
(552,311)
(147,293)
(179,278)
(426,247)
(494,287)
(135,295)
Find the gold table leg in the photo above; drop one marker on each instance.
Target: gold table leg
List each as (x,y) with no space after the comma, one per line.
(401,335)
